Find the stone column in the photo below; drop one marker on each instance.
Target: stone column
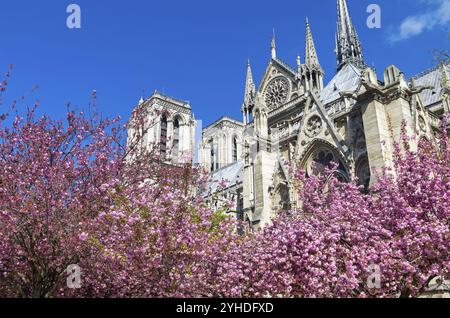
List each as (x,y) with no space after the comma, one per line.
(264,169)
(377,135)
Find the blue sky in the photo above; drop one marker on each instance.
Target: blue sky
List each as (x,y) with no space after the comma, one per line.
(194,50)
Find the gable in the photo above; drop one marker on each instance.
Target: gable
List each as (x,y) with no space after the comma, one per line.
(278,70)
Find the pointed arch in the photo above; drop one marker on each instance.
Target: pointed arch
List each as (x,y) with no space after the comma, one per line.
(163,135)
(178,123)
(362,171)
(180,119)
(321,153)
(234,148)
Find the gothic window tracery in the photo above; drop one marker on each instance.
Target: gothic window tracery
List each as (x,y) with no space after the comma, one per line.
(277,92)
(314,126)
(322,158)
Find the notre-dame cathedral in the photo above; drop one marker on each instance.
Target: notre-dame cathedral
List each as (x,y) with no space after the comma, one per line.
(292,115)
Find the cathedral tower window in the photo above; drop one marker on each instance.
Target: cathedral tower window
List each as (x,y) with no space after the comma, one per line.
(163,135)
(212,155)
(176,138)
(235,150)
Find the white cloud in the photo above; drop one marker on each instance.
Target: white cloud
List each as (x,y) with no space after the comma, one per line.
(437,15)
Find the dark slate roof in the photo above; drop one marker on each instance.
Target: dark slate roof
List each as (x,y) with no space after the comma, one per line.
(346,80)
(431,77)
(231,174)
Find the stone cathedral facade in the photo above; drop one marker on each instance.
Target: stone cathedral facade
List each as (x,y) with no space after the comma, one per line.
(293,115)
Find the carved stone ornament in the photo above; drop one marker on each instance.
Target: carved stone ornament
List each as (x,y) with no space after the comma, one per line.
(314,126)
(422,124)
(276,93)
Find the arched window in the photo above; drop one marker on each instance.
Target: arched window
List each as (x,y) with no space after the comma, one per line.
(235,149)
(363,173)
(212,155)
(322,158)
(176,138)
(163,136)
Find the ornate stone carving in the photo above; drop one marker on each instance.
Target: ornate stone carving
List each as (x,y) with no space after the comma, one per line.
(314,126)
(358,135)
(422,124)
(277,92)
(336,108)
(392,95)
(167,105)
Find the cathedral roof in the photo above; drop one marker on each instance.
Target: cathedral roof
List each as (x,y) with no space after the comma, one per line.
(231,175)
(346,80)
(432,78)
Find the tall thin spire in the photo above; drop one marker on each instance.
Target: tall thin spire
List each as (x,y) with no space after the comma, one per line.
(249,95)
(273,46)
(249,86)
(348,46)
(311,59)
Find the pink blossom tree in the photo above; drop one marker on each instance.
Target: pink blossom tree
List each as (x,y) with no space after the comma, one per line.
(340,237)
(50,183)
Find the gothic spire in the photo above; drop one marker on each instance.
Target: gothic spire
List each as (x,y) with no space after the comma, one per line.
(249,86)
(348,46)
(273,46)
(311,59)
(249,95)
